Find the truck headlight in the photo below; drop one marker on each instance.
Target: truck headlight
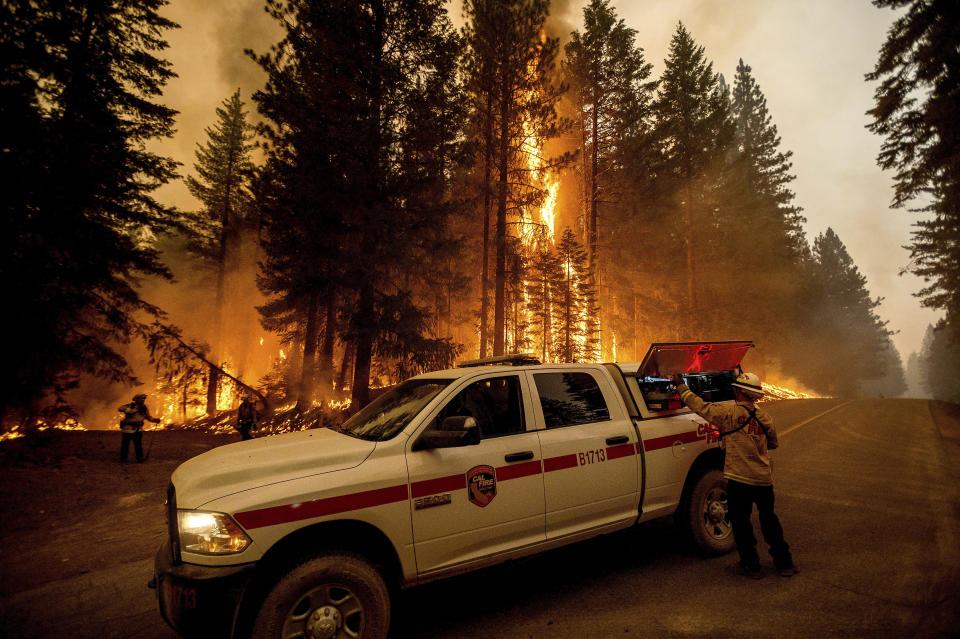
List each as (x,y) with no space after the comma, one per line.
(210,533)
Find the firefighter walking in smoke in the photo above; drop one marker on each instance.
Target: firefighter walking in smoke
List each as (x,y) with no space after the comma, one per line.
(748,432)
(131,426)
(247,417)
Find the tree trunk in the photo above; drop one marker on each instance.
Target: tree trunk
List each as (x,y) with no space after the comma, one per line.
(568,319)
(360,393)
(168,331)
(326,349)
(213,379)
(501,233)
(594,191)
(485,261)
(584,175)
(691,289)
(348,353)
(308,365)
(594,268)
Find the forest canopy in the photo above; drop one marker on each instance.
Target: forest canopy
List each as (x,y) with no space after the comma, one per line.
(401,194)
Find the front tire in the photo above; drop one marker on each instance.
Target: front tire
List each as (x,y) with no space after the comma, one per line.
(335,596)
(705,515)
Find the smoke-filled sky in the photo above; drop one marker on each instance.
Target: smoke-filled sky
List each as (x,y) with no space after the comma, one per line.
(808,57)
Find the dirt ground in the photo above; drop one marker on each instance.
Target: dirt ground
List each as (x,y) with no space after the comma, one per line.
(68,505)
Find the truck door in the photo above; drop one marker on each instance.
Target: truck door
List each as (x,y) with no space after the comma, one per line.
(590,462)
(474,501)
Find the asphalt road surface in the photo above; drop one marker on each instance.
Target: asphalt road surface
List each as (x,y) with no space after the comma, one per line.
(867,492)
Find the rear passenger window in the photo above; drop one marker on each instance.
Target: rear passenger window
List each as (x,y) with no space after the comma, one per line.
(570,398)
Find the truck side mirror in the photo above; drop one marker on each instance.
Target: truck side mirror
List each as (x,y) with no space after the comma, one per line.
(451,433)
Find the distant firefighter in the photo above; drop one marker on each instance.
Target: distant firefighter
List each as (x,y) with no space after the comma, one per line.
(132,426)
(247,417)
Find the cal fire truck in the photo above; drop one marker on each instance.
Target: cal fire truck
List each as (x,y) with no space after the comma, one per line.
(307,534)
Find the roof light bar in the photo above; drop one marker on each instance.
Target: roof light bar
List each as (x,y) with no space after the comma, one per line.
(514,359)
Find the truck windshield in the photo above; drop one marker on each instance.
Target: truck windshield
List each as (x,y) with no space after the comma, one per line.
(388,414)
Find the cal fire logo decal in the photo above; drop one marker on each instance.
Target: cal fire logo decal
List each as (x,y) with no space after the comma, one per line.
(481,485)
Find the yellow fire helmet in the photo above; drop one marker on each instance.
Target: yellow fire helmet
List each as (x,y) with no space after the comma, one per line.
(749,383)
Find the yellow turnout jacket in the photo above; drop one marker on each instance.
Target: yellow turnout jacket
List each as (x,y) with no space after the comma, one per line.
(747,458)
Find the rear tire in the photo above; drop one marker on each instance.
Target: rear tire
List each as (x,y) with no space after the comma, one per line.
(705,515)
(333,596)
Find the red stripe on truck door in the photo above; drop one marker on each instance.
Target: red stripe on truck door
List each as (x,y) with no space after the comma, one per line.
(621,450)
(439,485)
(516,471)
(666,442)
(320,507)
(559,463)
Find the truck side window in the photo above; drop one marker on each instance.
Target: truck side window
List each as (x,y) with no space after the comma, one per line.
(570,398)
(495,403)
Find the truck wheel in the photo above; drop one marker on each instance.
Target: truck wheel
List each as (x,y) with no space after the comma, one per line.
(334,596)
(706,515)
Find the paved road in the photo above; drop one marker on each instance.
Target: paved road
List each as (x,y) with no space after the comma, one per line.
(867,495)
(867,499)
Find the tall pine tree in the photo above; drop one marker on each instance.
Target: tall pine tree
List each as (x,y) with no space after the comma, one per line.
(757,198)
(575,316)
(850,338)
(515,63)
(917,108)
(543,286)
(223,173)
(360,102)
(694,131)
(79,101)
(612,93)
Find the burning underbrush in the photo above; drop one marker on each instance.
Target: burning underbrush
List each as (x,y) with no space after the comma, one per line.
(67,424)
(289,418)
(284,419)
(773,392)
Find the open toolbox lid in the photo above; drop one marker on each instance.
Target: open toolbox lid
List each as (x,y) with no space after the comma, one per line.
(668,358)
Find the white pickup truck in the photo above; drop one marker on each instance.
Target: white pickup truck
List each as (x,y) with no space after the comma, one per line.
(307,534)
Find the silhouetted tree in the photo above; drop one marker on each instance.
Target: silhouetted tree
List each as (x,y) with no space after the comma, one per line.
(223,172)
(575,318)
(360,100)
(940,362)
(480,90)
(78,102)
(917,107)
(761,239)
(543,285)
(892,383)
(849,342)
(694,130)
(612,93)
(515,61)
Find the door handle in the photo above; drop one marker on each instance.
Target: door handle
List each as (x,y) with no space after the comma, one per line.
(613,441)
(515,457)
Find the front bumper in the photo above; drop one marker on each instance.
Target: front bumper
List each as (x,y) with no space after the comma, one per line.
(200,600)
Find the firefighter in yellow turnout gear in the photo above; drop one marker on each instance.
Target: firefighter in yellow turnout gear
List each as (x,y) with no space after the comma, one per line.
(748,434)
(131,425)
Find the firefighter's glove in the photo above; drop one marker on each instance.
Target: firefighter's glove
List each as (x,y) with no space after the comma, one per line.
(676,380)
